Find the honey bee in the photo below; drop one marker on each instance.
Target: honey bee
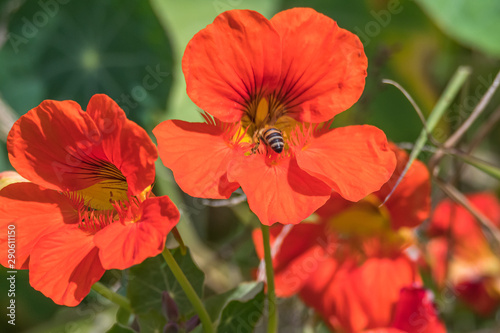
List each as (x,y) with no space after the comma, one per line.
(273,138)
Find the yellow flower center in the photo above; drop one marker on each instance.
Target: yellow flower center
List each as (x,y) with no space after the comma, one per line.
(111,187)
(366,220)
(264,114)
(363,218)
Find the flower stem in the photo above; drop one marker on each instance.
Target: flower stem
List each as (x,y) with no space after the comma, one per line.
(272,324)
(123,302)
(179,240)
(188,289)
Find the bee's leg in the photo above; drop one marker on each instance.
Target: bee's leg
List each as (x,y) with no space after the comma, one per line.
(256,146)
(256,139)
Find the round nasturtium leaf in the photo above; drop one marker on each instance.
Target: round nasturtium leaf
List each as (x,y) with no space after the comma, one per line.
(472,23)
(67,49)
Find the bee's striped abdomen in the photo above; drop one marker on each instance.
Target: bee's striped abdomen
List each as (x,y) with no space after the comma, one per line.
(274,139)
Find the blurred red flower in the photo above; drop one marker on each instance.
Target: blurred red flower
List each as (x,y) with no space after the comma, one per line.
(290,74)
(353,263)
(459,253)
(414,313)
(87,206)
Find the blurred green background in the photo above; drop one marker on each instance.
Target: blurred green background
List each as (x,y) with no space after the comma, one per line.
(131,50)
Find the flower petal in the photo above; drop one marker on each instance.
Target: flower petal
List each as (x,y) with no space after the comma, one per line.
(459,253)
(124,143)
(364,297)
(198,155)
(384,330)
(303,251)
(314,291)
(416,313)
(471,253)
(410,204)
(437,250)
(354,160)
(278,191)
(46,145)
(335,205)
(488,204)
(126,244)
(64,265)
(378,282)
(463,224)
(231,61)
(326,74)
(479,294)
(34,212)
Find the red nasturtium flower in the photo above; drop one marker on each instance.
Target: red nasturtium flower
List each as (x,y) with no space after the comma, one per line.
(460,254)
(292,73)
(87,206)
(352,264)
(415,312)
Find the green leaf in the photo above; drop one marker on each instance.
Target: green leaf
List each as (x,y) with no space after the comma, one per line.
(242,316)
(243,292)
(117,328)
(75,49)
(149,279)
(122,316)
(472,23)
(151,322)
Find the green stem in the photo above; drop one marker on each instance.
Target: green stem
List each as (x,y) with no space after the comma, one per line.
(272,324)
(441,106)
(188,289)
(179,240)
(118,299)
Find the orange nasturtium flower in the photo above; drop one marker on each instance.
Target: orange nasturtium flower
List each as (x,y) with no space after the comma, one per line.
(293,74)
(352,264)
(88,205)
(415,312)
(460,254)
